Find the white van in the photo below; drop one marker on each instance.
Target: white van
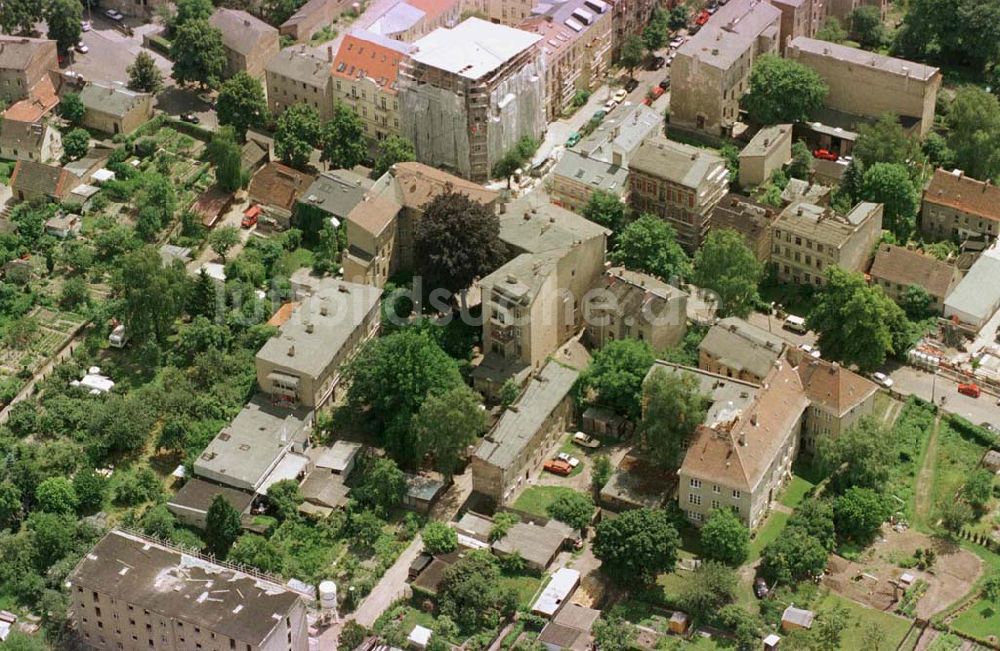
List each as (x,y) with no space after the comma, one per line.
(796,324)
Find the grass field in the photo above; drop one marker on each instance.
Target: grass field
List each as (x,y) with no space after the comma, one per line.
(796,491)
(981,620)
(536,499)
(861,617)
(526,586)
(957,457)
(770,531)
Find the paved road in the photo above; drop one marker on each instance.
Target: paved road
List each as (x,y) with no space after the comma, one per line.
(909,380)
(111,52)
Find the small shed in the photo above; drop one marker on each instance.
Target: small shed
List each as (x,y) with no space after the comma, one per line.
(679,622)
(771,642)
(422,492)
(603,422)
(64,225)
(339,458)
(794,618)
(420,637)
(563,583)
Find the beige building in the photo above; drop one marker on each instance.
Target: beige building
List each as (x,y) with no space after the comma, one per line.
(312,17)
(23,63)
(133,593)
(380,229)
(365,77)
(525,434)
(838,398)
(634,305)
(248,41)
(865,84)
(27,131)
(750,219)
(737,349)
(113,108)
(680,184)
(770,149)
(469,94)
(841,9)
(743,460)
(956,207)
(800,18)
(505,12)
(575,49)
(807,239)
(138,8)
(712,70)
(303,362)
(535,302)
(296,76)
(629,18)
(896,268)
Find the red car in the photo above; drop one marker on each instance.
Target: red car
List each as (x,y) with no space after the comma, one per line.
(250,216)
(557,467)
(702,18)
(971,390)
(825,154)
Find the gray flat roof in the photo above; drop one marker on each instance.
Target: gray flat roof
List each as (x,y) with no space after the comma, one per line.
(534,226)
(198,494)
(979,292)
(858,57)
(725,393)
(764,140)
(535,544)
(473,48)
(336,192)
(731,32)
(596,174)
(679,163)
(302,65)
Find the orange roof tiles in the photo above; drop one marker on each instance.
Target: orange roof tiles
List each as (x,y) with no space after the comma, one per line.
(964,193)
(282,314)
(358,57)
(832,386)
(39,102)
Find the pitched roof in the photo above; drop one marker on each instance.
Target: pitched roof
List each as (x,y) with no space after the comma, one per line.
(17,52)
(367,55)
(958,191)
(241,31)
(300,64)
(902,266)
(417,184)
(40,100)
(741,346)
(832,386)
(676,162)
(113,99)
(279,185)
(39,178)
(740,452)
(374,214)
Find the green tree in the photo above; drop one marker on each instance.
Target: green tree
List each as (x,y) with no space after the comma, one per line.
(632,54)
(815,518)
(392,150)
(606,209)
(636,546)
(198,54)
(600,473)
(342,138)
(832,31)
(242,103)
(439,538)
(471,594)
(192,10)
(861,456)
(858,514)
(974,132)
(978,488)
(857,324)
(10,504)
(72,108)
(222,526)
(20,16)
(873,637)
(917,303)
(76,144)
(866,26)
(615,375)
(937,151)
(657,31)
(725,538)
(991,587)
(353,634)
(679,16)
(284,498)
(388,381)
(63,18)
(258,552)
(365,528)
(53,535)
(792,556)
(382,487)
(222,239)
(727,266)
(509,393)
(673,407)
(298,129)
(447,424)
(889,184)
(649,244)
(90,489)
(18,641)
(613,633)
(152,296)
(885,141)
(830,626)
(144,75)
(802,160)
(56,495)
(457,240)
(783,90)
(159,522)
(225,153)
(711,586)
(954,514)
(502,522)
(572,508)
(74,293)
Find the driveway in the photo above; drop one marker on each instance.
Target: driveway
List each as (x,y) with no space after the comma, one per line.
(112,51)
(232,218)
(176,101)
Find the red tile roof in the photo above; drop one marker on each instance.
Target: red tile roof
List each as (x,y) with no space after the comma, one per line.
(358,57)
(955,190)
(832,386)
(901,266)
(39,102)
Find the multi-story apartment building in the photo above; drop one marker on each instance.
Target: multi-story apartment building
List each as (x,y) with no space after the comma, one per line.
(365,77)
(575,49)
(630,17)
(23,63)
(633,305)
(505,12)
(409,20)
(296,76)
(28,131)
(750,219)
(800,18)
(865,84)
(841,9)
(469,94)
(249,42)
(678,183)
(896,268)
(807,239)
(134,593)
(838,398)
(312,17)
(712,70)
(302,363)
(956,207)
(738,349)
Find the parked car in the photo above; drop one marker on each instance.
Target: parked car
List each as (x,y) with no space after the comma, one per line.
(670,58)
(882,379)
(586,441)
(573,139)
(568,458)
(825,154)
(760,588)
(85,25)
(665,83)
(190,117)
(810,350)
(795,324)
(657,63)
(620,95)
(599,115)
(971,389)
(557,467)
(631,85)
(610,105)
(702,18)
(114,15)
(82,48)
(653,95)
(250,216)
(677,42)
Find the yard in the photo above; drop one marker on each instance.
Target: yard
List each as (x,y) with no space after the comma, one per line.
(862,617)
(536,499)
(767,533)
(956,458)
(796,491)
(980,620)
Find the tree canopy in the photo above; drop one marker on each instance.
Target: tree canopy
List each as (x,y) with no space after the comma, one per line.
(606,209)
(725,538)
(889,184)
(297,131)
(439,538)
(342,138)
(198,54)
(866,26)
(974,132)
(783,90)
(885,141)
(63,18)
(636,546)
(672,408)
(727,266)
(615,374)
(242,103)
(394,149)
(472,595)
(858,514)
(222,526)
(650,245)
(861,456)
(143,74)
(447,423)
(572,508)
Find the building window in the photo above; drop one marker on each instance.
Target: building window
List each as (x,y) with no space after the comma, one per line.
(716,489)
(715,504)
(736,494)
(694,499)
(695,483)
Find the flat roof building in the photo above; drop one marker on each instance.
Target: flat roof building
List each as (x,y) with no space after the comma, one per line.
(976,299)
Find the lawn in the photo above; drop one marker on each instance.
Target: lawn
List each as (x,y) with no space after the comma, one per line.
(293,261)
(536,499)
(796,491)
(894,627)
(525,585)
(956,458)
(770,531)
(981,620)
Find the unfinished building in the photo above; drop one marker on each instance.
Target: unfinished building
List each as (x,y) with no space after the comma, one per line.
(470,93)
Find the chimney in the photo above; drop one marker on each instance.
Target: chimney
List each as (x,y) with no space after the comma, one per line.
(310,328)
(753,419)
(329,53)
(291,350)
(743,440)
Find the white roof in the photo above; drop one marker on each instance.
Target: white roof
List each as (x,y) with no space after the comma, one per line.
(338,456)
(772,640)
(95,382)
(562,585)
(472,48)
(978,294)
(215,271)
(103,175)
(288,468)
(420,635)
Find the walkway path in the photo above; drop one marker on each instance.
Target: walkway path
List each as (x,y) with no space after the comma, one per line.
(925,478)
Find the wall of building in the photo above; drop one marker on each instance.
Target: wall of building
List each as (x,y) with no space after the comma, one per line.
(820,422)
(15,83)
(947,223)
(757,169)
(283,91)
(378,107)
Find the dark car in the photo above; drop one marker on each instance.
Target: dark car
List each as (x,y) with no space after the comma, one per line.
(631,85)
(190,117)
(760,588)
(665,84)
(657,63)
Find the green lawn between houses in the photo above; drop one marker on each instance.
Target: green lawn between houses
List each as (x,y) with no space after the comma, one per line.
(536,499)
(894,627)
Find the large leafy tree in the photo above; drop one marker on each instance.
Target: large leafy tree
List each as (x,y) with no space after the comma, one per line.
(76,144)
(298,130)
(711,586)
(284,498)
(71,107)
(472,595)
(615,375)
(152,296)
(226,155)
(858,514)
(447,424)
(866,26)
(885,141)
(457,240)
(382,486)
(257,551)
(889,184)
(392,150)
(192,10)
(649,244)
(342,138)
(20,16)
(633,51)
(928,30)
(636,546)
(439,538)
(974,132)
(222,526)
(783,90)
(815,518)
(613,633)
(725,538)
(657,30)
(857,324)
(572,508)
(792,556)
(727,266)
(673,408)
(389,381)
(606,209)
(56,495)
(63,19)
(860,457)
(242,104)
(198,54)
(144,75)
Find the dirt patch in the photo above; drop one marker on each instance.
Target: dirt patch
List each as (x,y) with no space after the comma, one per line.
(872,579)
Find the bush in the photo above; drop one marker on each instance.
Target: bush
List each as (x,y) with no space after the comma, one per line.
(439,538)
